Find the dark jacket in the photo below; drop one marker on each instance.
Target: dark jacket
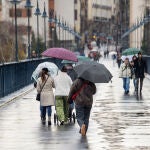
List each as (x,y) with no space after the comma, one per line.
(73,75)
(140,68)
(85,97)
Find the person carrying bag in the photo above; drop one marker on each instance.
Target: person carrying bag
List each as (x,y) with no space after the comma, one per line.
(38,96)
(45,87)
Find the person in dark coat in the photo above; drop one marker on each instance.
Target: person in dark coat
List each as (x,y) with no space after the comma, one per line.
(84,91)
(119,60)
(140,69)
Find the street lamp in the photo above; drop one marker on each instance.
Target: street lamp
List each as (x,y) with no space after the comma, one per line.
(55,29)
(15,2)
(44,15)
(65,43)
(28,6)
(37,13)
(62,26)
(59,24)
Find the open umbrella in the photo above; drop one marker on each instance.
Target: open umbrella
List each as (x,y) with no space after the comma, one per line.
(112,53)
(52,68)
(60,53)
(129,57)
(130,51)
(94,72)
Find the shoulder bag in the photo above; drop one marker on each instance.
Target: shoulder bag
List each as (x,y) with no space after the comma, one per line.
(38,96)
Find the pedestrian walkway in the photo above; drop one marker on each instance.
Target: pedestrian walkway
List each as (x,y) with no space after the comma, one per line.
(118,122)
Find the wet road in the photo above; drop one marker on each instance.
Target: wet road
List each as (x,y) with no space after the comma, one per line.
(118,122)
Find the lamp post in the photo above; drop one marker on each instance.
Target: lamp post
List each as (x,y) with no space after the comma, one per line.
(37,13)
(67,29)
(63,38)
(65,43)
(44,15)
(28,6)
(59,24)
(15,2)
(55,29)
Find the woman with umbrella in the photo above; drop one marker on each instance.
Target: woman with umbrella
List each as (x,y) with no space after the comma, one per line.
(83,89)
(82,92)
(45,85)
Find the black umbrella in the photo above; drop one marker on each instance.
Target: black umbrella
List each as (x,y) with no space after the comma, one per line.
(94,72)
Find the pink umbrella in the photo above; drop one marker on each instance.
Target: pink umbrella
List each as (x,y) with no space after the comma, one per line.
(60,53)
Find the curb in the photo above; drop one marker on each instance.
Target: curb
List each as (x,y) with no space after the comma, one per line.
(16,97)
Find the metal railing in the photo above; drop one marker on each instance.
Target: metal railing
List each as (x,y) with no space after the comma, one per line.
(14,76)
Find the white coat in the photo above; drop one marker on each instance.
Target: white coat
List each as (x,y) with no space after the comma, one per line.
(62,83)
(125,71)
(47,95)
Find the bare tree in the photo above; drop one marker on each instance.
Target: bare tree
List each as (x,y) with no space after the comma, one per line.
(7,47)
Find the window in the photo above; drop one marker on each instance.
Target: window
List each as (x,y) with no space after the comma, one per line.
(75,14)
(20,13)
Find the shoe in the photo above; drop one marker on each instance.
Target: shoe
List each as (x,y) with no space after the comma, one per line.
(127,92)
(83,130)
(43,120)
(62,122)
(49,123)
(80,131)
(49,120)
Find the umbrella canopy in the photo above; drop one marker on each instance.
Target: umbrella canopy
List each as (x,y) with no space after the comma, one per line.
(60,53)
(52,68)
(129,57)
(80,59)
(94,50)
(131,51)
(94,72)
(112,53)
(77,53)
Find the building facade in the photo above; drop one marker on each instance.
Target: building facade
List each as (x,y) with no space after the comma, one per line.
(137,18)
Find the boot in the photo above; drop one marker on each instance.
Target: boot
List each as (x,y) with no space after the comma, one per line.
(49,121)
(43,120)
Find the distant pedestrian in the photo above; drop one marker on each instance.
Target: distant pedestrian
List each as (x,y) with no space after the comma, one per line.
(63,83)
(70,71)
(105,53)
(114,59)
(119,60)
(125,74)
(82,92)
(133,74)
(140,69)
(46,82)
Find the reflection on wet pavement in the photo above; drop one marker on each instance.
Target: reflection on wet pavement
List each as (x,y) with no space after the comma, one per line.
(118,122)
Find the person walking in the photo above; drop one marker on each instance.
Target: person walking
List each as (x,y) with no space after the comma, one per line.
(63,83)
(119,60)
(133,74)
(45,85)
(125,74)
(82,92)
(140,69)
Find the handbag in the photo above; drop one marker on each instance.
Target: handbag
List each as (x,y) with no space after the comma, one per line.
(77,93)
(38,96)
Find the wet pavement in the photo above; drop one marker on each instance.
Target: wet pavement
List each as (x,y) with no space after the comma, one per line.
(118,122)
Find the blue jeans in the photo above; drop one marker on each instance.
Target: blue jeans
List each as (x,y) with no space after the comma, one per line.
(83,115)
(43,111)
(134,83)
(126,84)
